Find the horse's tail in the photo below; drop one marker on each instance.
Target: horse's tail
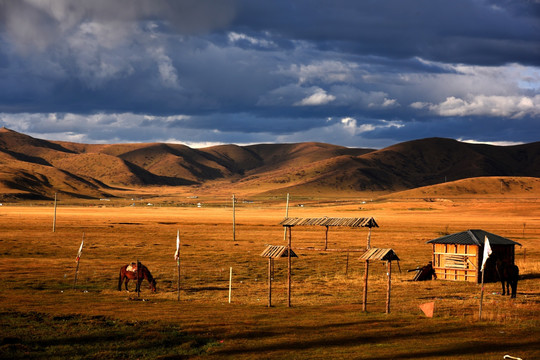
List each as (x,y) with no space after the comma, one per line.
(120,279)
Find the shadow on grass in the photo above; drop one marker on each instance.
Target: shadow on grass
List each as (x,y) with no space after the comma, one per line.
(92,337)
(324,337)
(470,350)
(529,276)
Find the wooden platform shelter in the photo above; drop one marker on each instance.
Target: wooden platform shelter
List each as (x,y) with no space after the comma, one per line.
(376,254)
(459,256)
(273,252)
(288,223)
(328,222)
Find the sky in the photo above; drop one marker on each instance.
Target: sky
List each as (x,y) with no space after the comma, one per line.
(368,73)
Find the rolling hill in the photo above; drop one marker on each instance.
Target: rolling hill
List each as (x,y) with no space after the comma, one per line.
(35,168)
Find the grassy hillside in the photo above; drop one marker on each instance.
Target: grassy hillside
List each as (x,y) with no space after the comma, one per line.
(38,168)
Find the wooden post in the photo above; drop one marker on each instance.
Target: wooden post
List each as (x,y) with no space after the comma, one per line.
(389,265)
(76,272)
(364,301)
(269,282)
(326,238)
(177,256)
(178,280)
(481,296)
(347,265)
(289,250)
(230,285)
(369,239)
(233,218)
(286,216)
(54,216)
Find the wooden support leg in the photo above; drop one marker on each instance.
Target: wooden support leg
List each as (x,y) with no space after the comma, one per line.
(364,301)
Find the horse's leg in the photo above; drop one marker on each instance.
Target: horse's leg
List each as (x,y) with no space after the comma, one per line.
(502,282)
(127,280)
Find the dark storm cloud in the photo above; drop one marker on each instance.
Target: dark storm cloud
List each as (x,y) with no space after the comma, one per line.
(476,32)
(252,71)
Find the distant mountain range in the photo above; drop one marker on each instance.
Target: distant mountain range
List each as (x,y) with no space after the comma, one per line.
(32,168)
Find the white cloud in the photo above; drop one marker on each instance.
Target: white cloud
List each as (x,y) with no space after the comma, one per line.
(498,106)
(235,37)
(497,143)
(386,103)
(167,71)
(350,125)
(319,97)
(326,71)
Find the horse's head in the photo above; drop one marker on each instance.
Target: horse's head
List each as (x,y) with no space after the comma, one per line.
(153,285)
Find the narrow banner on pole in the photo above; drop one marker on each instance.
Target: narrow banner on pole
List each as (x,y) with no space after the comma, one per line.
(80,251)
(177,253)
(487,252)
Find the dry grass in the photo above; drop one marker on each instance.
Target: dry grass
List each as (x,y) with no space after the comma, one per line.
(325,321)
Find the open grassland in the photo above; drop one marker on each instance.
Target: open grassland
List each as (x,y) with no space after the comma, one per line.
(43,316)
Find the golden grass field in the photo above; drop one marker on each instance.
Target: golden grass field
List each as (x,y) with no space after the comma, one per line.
(326,319)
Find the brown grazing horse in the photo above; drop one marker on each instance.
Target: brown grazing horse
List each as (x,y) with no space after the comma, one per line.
(129,272)
(509,274)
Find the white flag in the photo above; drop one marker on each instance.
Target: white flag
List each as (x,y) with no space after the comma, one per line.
(80,251)
(487,252)
(177,253)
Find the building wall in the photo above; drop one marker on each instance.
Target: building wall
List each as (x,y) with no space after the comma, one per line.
(463,262)
(456,262)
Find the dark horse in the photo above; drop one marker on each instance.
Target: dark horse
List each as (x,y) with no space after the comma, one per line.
(136,271)
(509,274)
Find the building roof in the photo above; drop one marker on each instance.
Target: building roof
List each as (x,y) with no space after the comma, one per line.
(275,252)
(327,221)
(473,237)
(379,254)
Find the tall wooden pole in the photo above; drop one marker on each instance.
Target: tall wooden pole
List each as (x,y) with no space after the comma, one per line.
(230,285)
(389,265)
(326,239)
(178,280)
(269,282)
(289,250)
(481,296)
(364,300)
(177,257)
(76,272)
(286,216)
(347,265)
(54,217)
(234,217)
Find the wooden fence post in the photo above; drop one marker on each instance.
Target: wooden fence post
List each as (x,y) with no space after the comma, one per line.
(234,217)
(364,302)
(289,250)
(269,282)
(54,216)
(389,265)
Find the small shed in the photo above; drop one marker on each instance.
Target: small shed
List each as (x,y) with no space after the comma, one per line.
(459,256)
(273,252)
(387,255)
